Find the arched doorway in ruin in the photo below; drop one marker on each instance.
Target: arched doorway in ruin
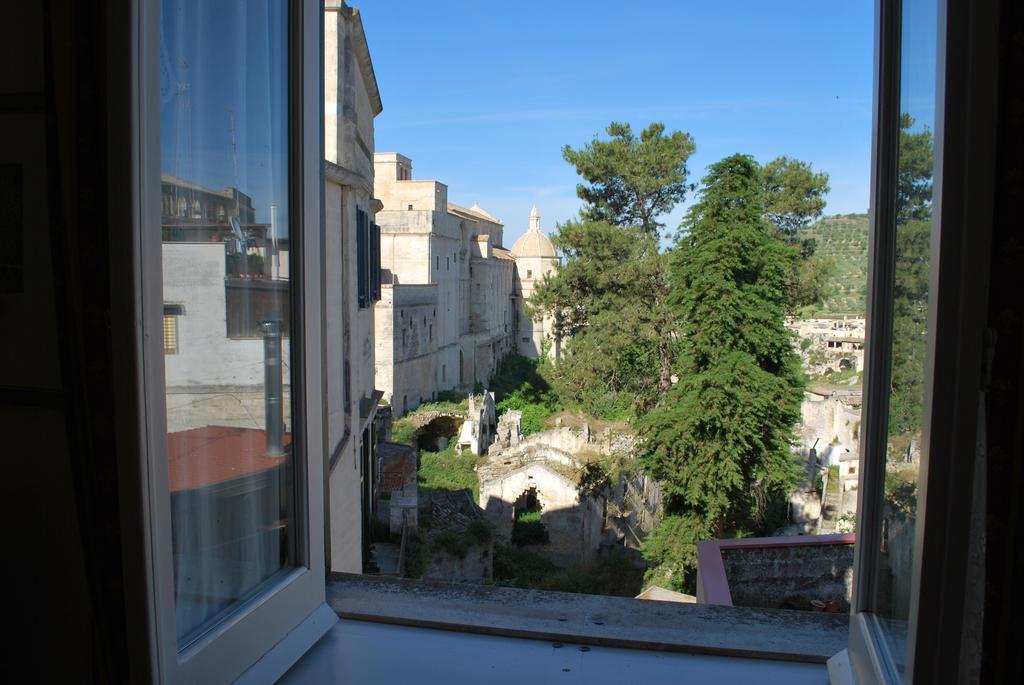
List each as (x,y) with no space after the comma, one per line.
(527,520)
(436,434)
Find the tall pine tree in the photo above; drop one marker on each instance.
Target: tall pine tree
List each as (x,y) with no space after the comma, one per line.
(720,440)
(610,297)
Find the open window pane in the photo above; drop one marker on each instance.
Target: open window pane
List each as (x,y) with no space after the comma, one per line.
(910,323)
(225,247)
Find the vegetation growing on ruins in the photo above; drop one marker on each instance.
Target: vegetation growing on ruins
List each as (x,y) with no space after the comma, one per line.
(521,384)
(529,529)
(612,574)
(449,469)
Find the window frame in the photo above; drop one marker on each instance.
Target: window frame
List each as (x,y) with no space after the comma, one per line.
(260,638)
(962,211)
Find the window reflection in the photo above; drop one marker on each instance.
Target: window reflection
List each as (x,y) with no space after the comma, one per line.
(910,322)
(225,247)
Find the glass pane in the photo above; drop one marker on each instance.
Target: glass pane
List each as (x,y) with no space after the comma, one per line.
(910,320)
(224,229)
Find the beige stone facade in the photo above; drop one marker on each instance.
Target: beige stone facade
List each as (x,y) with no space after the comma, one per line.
(535,258)
(351,102)
(447,313)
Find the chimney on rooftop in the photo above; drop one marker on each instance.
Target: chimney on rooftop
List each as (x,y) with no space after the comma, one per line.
(272,388)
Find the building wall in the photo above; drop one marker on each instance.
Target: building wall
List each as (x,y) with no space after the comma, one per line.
(530,334)
(574,522)
(457,253)
(351,103)
(212,379)
(407,342)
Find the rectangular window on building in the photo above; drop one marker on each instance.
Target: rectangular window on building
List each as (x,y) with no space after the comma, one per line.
(171,314)
(375,272)
(170,334)
(362,259)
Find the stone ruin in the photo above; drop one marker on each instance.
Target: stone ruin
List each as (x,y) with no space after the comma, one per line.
(452,513)
(558,469)
(478,429)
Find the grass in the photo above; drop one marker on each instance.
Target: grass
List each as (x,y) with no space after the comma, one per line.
(520,385)
(449,469)
(833,482)
(841,379)
(528,529)
(405,429)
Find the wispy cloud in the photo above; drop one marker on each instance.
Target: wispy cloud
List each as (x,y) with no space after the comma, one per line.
(601,112)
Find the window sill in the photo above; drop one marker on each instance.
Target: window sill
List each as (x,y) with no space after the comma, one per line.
(591,619)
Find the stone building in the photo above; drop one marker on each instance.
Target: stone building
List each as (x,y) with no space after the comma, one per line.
(535,258)
(352,278)
(832,344)
(447,313)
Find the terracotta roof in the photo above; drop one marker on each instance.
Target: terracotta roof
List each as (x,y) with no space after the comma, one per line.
(397,466)
(215,454)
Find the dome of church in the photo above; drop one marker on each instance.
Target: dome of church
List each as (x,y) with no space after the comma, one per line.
(533,243)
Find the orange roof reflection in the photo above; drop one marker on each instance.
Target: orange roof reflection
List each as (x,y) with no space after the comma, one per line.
(214,454)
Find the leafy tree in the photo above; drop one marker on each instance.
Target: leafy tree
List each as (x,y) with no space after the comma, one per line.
(794,196)
(720,440)
(632,180)
(610,297)
(672,548)
(914,172)
(910,288)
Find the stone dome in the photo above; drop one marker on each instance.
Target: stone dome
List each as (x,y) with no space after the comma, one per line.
(533,243)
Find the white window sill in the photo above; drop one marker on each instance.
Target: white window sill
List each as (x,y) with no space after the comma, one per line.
(617,622)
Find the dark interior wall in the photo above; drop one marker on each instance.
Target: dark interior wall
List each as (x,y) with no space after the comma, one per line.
(65,317)
(1002,657)
(38,485)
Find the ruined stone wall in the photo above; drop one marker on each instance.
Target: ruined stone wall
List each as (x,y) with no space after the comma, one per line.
(574,520)
(476,567)
(578,521)
(789,577)
(834,423)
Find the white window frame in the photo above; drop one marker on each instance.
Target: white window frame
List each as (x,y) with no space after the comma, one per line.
(263,636)
(962,208)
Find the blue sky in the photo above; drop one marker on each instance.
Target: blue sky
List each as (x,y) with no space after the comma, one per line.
(483,95)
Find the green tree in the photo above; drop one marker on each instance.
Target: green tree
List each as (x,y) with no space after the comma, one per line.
(720,441)
(914,172)
(794,196)
(910,286)
(609,299)
(632,181)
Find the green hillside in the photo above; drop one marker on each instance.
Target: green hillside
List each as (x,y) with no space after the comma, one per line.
(844,239)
